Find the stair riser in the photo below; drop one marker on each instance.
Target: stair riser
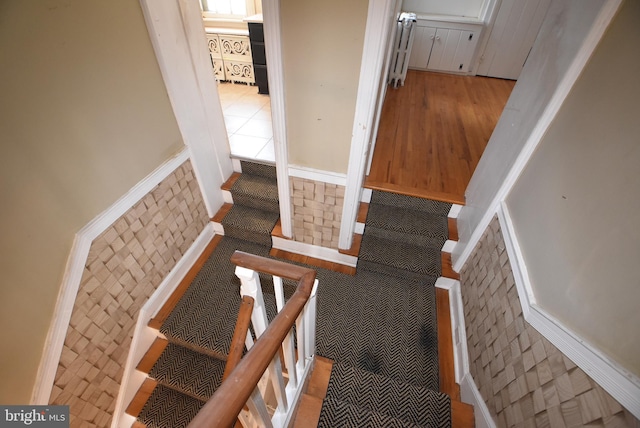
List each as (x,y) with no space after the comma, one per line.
(257,203)
(424,241)
(247,235)
(413,203)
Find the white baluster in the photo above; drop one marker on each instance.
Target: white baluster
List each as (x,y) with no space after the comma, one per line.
(279,291)
(289,350)
(258,409)
(310,322)
(277,381)
(300,333)
(250,286)
(246,420)
(248,341)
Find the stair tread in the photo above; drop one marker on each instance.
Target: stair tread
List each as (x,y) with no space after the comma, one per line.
(341,413)
(411,202)
(204,317)
(379,393)
(257,192)
(167,407)
(401,255)
(407,221)
(393,272)
(188,371)
(261,169)
(250,224)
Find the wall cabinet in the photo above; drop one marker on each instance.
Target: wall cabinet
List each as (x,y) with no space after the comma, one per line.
(444,49)
(231,57)
(256,35)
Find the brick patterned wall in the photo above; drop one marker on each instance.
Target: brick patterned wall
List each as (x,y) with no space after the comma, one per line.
(126,264)
(317,211)
(524,379)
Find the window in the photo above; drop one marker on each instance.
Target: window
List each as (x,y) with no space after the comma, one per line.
(228,9)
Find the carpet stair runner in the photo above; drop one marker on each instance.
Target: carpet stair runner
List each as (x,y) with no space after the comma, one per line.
(404,235)
(200,327)
(379,325)
(255,208)
(356,396)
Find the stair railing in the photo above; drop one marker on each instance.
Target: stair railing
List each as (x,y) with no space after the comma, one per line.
(272,340)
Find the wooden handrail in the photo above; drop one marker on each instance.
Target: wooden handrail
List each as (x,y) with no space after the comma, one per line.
(224,406)
(239,335)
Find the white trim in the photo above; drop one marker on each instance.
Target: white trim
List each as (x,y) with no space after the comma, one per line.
(318,175)
(458,329)
(366,196)
(623,385)
(470,394)
(449,246)
(382,92)
(488,15)
(303,380)
(328,254)
(486,10)
(275,68)
(218,228)
(177,34)
(378,18)
(454,212)
(237,166)
(359,229)
(227,197)
(143,336)
(601,23)
(75,268)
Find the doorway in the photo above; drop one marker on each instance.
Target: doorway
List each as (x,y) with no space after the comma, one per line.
(247,116)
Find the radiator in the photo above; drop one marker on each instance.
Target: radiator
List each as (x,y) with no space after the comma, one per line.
(402,48)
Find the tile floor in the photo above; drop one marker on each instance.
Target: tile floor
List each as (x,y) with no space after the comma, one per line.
(247,115)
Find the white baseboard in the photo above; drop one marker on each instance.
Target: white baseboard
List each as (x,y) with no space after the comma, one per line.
(328,254)
(75,267)
(458,329)
(227,197)
(143,336)
(449,246)
(359,228)
(469,394)
(237,166)
(218,228)
(454,212)
(366,195)
(318,175)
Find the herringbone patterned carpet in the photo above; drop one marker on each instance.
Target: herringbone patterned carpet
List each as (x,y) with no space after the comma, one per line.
(403,235)
(380,329)
(381,394)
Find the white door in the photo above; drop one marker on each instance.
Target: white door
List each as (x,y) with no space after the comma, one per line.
(421,49)
(452,50)
(512,35)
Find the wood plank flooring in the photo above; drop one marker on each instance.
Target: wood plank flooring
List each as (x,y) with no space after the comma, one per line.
(433,131)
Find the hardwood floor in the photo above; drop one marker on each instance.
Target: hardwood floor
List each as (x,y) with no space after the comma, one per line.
(433,131)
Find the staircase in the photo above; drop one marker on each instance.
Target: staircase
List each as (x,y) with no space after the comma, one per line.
(378,327)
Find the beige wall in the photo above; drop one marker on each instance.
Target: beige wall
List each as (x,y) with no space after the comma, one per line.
(563,32)
(471,8)
(575,207)
(322,51)
(125,265)
(84,116)
(523,378)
